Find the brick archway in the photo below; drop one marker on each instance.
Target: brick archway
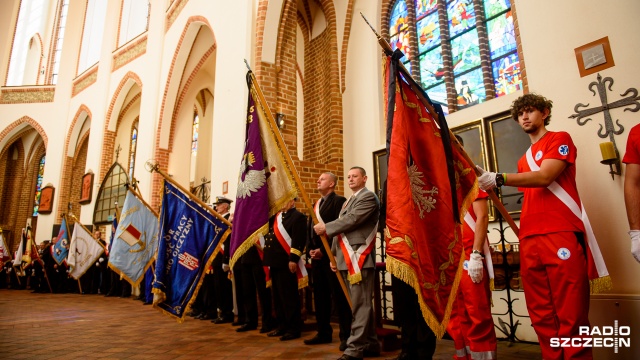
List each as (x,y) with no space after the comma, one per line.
(169,106)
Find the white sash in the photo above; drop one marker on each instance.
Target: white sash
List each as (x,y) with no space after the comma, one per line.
(316,209)
(487,253)
(354,256)
(579,212)
(287,238)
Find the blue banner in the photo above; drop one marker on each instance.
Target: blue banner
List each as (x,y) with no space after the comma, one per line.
(190,236)
(60,249)
(135,242)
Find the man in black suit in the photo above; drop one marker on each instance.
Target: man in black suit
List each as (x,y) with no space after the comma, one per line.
(222,283)
(283,247)
(325,282)
(254,283)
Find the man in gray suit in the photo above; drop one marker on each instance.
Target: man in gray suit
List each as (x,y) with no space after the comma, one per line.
(354,249)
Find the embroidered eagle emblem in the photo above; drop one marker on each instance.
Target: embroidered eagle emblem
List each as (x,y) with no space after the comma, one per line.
(253,179)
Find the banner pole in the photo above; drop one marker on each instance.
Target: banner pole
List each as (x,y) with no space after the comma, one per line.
(419,92)
(298,181)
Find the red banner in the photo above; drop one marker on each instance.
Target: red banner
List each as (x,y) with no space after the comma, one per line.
(423,239)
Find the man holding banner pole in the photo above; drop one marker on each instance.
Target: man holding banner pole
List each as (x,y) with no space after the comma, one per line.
(356,229)
(561,260)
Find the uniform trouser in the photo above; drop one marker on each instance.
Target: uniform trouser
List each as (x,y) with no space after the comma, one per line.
(253,281)
(556,286)
(363,330)
(471,323)
(326,286)
(207,303)
(223,293)
(284,285)
(418,341)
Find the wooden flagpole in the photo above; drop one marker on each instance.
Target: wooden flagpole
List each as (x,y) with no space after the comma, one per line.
(200,202)
(419,93)
(298,181)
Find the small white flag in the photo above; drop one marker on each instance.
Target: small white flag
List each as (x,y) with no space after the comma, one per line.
(83,251)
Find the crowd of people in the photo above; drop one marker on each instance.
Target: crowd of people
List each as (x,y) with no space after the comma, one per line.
(554,253)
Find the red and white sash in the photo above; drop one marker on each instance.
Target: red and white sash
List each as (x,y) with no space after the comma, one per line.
(355,259)
(260,248)
(485,249)
(597,269)
(285,240)
(316,209)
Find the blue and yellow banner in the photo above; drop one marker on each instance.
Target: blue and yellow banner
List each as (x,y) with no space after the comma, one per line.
(135,242)
(60,248)
(190,235)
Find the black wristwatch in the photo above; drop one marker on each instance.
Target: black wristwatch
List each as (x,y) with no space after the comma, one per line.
(499,179)
(478,252)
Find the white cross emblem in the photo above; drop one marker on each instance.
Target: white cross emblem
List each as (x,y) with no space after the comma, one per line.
(563,150)
(538,155)
(564,253)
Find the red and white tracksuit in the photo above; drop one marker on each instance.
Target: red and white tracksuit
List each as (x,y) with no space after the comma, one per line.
(471,323)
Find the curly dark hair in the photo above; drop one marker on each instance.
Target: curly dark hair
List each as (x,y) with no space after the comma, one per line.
(528,101)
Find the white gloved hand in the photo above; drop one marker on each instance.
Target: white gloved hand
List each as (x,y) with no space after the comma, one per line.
(225,267)
(486,180)
(101,260)
(475,267)
(635,244)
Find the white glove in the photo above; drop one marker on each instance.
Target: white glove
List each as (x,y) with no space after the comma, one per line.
(97,264)
(635,244)
(475,267)
(486,180)
(101,260)
(225,267)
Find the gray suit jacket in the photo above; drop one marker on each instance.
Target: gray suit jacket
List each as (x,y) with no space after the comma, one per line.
(357,220)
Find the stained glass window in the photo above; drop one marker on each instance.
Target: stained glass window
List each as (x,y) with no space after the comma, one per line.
(194,138)
(36,205)
(459,23)
(132,149)
(112,192)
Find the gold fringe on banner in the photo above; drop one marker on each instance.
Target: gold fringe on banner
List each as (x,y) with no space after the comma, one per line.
(405,273)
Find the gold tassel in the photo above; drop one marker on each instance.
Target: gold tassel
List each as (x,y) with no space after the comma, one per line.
(303,283)
(355,278)
(247,244)
(600,284)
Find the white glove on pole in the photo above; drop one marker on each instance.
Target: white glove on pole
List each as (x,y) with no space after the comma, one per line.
(225,267)
(635,244)
(486,180)
(475,268)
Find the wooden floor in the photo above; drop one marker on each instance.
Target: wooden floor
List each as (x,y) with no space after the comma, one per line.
(73,326)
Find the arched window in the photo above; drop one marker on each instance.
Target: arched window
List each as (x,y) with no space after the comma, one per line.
(132,148)
(94,20)
(134,20)
(112,192)
(466,49)
(31,21)
(194,134)
(36,204)
(57,52)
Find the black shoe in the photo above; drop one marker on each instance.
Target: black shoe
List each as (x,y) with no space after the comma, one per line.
(264,330)
(246,327)
(199,316)
(343,345)
(206,317)
(276,333)
(289,336)
(317,340)
(238,323)
(371,353)
(221,320)
(404,356)
(348,357)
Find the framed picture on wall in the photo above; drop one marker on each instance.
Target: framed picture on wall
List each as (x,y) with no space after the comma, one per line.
(594,56)
(225,188)
(46,199)
(86,191)
(379,169)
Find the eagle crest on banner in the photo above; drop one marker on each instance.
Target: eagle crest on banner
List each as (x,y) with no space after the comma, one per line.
(253,179)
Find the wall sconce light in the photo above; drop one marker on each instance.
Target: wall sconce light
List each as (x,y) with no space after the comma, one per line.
(610,157)
(280,120)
